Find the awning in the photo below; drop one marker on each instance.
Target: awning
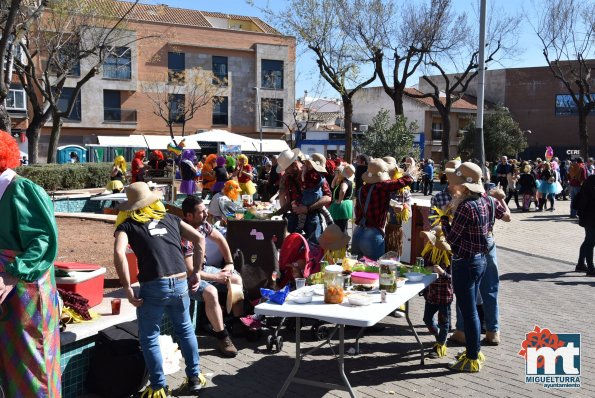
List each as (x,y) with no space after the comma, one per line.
(274,146)
(137,141)
(225,137)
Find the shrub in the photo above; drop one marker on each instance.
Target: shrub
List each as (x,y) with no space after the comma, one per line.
(55,177)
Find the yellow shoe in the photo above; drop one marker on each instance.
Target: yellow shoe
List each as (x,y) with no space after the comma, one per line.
(438,351)
(162,392)
(196,383)
(464,364)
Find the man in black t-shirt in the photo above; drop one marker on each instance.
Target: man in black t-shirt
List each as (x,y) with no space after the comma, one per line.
(164,280)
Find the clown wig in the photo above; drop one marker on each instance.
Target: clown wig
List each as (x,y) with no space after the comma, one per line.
(158,155)
(10,156)
(120,162)
(232,190)
(189,154)
(244,158)
(139,155)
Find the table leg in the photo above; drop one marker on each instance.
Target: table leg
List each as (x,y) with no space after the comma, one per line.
(342,360)
(359,336)
(421,347)
(298,358)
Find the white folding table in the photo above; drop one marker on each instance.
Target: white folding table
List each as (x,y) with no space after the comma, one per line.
(342,315)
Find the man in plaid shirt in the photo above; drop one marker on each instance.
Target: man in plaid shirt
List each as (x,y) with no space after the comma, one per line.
(373,201)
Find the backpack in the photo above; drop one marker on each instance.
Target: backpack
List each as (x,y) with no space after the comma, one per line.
(117,367)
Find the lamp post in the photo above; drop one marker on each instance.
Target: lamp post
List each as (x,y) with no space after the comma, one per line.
(258,114)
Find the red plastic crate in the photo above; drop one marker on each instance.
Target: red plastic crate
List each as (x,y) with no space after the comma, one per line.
(87,284)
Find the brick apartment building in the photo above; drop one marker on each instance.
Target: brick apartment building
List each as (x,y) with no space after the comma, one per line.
(244,51)
(540,104)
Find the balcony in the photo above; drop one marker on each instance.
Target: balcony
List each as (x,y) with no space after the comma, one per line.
(119,115)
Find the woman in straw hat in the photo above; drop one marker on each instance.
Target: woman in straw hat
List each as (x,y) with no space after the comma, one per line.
(29,327)
(371,209)
(341,208)
(155,238)
(469,237)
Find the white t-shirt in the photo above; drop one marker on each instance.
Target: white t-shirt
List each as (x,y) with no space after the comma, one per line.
(221,205)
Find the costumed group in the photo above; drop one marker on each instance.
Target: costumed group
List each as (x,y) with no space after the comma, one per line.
(316,195)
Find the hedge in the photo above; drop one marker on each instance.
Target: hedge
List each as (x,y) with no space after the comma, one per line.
(56,177)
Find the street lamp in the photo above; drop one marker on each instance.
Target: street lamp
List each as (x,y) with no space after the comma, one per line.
(258,113)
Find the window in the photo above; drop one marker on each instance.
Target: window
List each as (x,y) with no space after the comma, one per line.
(272,74)
(176,67)
(272,112)
(565,105)
(436,131)
(63,101)
(112,108)
(220,70)
(176,108)
(16,99)
(220,113)
(118,64)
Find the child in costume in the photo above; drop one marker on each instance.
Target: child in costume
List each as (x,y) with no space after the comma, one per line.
(208,175)
(244,173)
(438,295)
(311,181)
(221,175)
(118,175)
(188,171)
(29,314)
(138,167)
(399,210)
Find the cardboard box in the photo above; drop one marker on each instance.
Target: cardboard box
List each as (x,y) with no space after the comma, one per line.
(88,284)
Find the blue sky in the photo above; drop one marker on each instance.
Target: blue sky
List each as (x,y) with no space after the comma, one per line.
(307,77)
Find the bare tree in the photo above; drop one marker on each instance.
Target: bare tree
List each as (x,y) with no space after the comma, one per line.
(176,97)
(566,29)
(316,24)
(16,16)
(398,39)
(447,88)
(70,33)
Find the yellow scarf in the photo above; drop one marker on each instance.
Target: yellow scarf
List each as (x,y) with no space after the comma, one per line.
(155,211)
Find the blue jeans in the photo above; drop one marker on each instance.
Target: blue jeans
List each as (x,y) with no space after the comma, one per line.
(367,241)
(166,296)
(312,226)
(586,250)
(573,192)
(466,278)
(488,289)
(438,329)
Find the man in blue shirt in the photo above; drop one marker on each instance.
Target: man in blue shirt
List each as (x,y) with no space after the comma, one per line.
(428,178)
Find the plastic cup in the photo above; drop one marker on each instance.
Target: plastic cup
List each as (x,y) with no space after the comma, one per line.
(116,306)
(300,282)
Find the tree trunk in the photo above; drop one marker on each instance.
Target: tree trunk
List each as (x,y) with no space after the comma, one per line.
(5,123)
(54,138)
(33,133)
(398,102)
(348,108)
(445,136)
(583,134)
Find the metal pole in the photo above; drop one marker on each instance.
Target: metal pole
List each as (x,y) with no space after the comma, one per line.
(259,115)
(479,142)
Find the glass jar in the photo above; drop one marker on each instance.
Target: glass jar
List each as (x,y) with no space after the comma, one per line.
(387,270)
(333,284)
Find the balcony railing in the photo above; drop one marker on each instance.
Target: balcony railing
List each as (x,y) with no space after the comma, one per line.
(119,115)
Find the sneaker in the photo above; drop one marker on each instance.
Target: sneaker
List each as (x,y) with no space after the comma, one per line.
(438,351)
(226,347)
(580,268)
(464,364)
(492,338)
(457,337)
(195,383)
(162,392)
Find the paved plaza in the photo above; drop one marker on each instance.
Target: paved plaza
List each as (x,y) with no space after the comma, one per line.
(537,253)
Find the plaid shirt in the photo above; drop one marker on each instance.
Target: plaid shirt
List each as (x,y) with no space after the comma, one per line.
(440,200)
(205,229)
(292,187)
(470,227)
(311,179)
(379,201)
(441,291)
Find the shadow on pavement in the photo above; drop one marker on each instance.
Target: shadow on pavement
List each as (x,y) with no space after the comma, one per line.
(543,216)
(532,276)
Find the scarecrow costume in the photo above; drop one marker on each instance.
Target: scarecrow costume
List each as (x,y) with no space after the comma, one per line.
(399,211)
(29,315)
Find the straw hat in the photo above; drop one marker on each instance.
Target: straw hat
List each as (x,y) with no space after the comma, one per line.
(468,175)
(442,244)
(391,165)
(332,238)
(452,164)
(235,294)
(429,235)
(349,172)
(318,162)
(377,172)
(286,158)
(139,195)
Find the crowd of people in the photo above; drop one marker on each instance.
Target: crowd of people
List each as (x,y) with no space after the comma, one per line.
(186,258)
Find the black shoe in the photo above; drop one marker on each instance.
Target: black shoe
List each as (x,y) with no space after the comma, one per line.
(591,272)
(580,268)
(196,383)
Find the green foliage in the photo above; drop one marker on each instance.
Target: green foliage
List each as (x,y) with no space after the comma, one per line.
(501,133)
(385,138)
(55,177)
